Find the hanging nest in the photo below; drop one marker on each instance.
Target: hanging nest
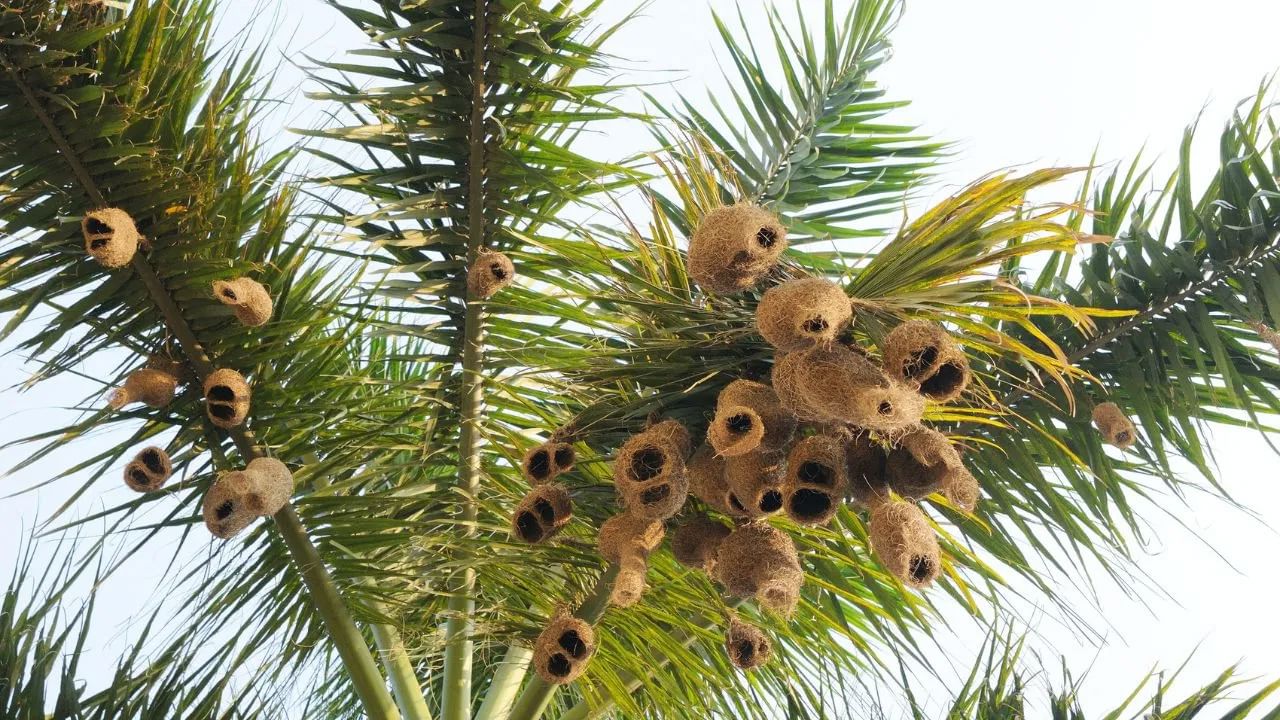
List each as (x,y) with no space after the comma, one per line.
(563,649)
(629,582)
(905,542)
(760,561)
(1115,427)
(491,272)
(542,513)
(749,417)
(748,646)
(924,355)
(706,472)
(547,461)
(151,386)
(1267,334)
(249,299)
(817,480)
(838,385)
(695,542)
(626,541)
(226,395)
(734,246)
(110,237)
(272,485)
(649,471)
(923,463)
(227,504)
(148,470)
(800,314)
(962,490)
(755,483)
(866,462)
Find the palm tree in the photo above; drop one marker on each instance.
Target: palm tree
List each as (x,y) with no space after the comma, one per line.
(403,399)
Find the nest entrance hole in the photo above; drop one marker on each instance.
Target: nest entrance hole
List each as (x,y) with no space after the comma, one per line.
(920,360)
(140,478)
(647,464)
(815,325)
(744,651)
(528,527)
(222,393)
(921,568)
(808,503)
(572,643)
(222,412)
(99,243)
(1123,437)
(944,382)
(655,494)
(559,666)
(545,510)
(151,459)
(97,227)
(766,237)
(739,424)
(885,408)
(564,457)
(225,509)
(540,464)
(499,272)
(815,473)
(771,501)
(736,504)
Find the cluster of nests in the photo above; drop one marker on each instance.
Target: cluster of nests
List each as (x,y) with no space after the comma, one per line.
(263,488)
(832,426)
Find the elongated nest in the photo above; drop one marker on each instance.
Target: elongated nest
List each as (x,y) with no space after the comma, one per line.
(837,385)
(758,560)
(922,463)
(748,646)
(563,649)
(905,543)
(866,462)
(924,355)
(749,417)
(1115,428)
(547,461)
(490,272)
(543,513)
(755,483)
(629,583)
(817,479)
(148,470)
(227,504)
(734,247)
(152,387)
(628,535)
(226,395)
(800,314)
(706,473)
(962,489)
(649,471)
(110,237)
(694,543)
(249,298)
(272,485)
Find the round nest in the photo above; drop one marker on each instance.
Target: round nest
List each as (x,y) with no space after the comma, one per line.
(148,470)
(923,355)
(1116,429)
(272,485)
(227,396)
(817,480)
(563,649)
(866,462)
(649,471)
(627,535)
(226,506)
(922,463)
(748,417)
(760,561)
(905,542)
(150,386)
(734,246)
(706,472)
(491,272)
(748,646)
(110,237)
(838,385)
(800,314)
(247,297)
(543,513)
(694,543)
(755,483)
(547,461)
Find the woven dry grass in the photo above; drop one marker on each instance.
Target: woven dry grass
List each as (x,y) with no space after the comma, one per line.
(800,314)
(110,237)
(755,483)
(905,543)
(150,386)
(227,397)
(749,417)
(707,482)
(922,463)
(838,385)
(759,561)
(649,471)
(817,479)
(924,355)
(148,470)
(866,463)
(695,542)
(734,246)
(247,297)
(491,272)
(1114,426)
(542,513)
(563,649)
(748,646)
(547,461)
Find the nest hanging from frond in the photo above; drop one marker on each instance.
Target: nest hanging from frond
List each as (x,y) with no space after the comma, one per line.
(755,483)
(838,385)
(924,355)
(749,417)
(923,463)
(758,560)
(748,646)
(151,386)
(800,314)
(547,461)
(148,470)
(905,542)
(695,542)
(543,513)
(272,485)
(649,472)
(1115,427)
(236,498)
(491,272)
(249,299)
(734,247)
(226,395)
(817,479)
(110,237)
(563,649)
(866,463)
(706,472)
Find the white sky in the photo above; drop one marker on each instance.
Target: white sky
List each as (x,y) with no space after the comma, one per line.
(1026,83)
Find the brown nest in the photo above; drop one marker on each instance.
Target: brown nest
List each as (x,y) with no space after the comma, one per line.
(148,470)
(923,355)
(749,417)
(905,542)
(247,297)
(542,513)
(748,646)
(694,543)
(226,395)
(547,461)
(110,237)
(923,463)
(563,649)
(1116,429)
(734,246)
(649,471)
(866,462)
(153,387)
(817,479)
(838,385)
(707,482)
(755,483)
(800,314)
(758,560)
(491,272)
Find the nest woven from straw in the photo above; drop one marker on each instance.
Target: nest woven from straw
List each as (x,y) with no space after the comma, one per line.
(924,355)
(649,471)
(706,473)
(563,649)
(905,542)
(547,461)
(838,385)
(272,485)
(734,246)
(226,506)
(247,297)
(817,479)
(866,462)
(148,470)
(695,542)
(110,237)
(759,561)
(542,513)
(749,417)
(922,463)
(755,483)
(150,386)
(1114,426)
(748,646)
(490,272)
(799,314)
(627,535)
(227,397)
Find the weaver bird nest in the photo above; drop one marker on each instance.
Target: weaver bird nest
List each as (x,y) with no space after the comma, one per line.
(110,237)
(237,498)
(248,298)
